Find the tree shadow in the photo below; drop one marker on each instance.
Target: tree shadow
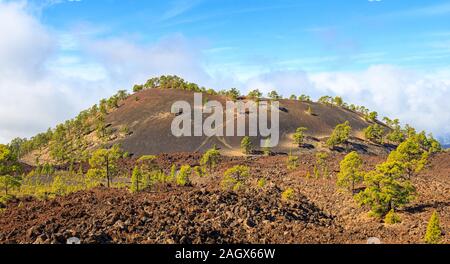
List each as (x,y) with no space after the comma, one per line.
(307,146)
(422,207)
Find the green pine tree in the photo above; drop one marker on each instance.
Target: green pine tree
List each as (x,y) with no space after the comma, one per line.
(136,180)
(246,145)
(392,218)
(434,233)
(350,172)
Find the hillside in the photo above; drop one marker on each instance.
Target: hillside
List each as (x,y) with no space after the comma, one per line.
(147,117)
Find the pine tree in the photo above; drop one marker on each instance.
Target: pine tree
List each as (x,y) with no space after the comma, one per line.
(392,218)
(292,162)
(350,171)
(255,94)
(136,180)
(386,189)
(246,145)
(340,135)
(235,177)
(7,182)
(274,95)
(183,178)
(374,133)
(411,156)
(434,233)
(210,159)
(104,163)
(299,136)
(338,101)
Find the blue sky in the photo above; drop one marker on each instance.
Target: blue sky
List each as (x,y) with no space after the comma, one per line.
(307,35)
(390,55)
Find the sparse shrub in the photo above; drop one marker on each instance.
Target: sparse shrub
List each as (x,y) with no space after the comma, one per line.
(266,149)
(246,145)
(350,171)
(124,130)
(262,182)
(235,177)
(173,172)
(158,176)
(299,136)
(5,198)
(292,162)
(434,232)
(321,167)
(80,170)
(183,177)
(288,194)
(146,180)
(392,218)
(94,177)
(316,172)
(148,163)
(293,97)
(59,187)
(309,110)
(199,171)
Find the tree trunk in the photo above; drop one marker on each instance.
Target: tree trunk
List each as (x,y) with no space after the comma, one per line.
(107,172)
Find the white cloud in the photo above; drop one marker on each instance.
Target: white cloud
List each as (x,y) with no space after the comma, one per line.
(46,77)
(127,61)
(420,99)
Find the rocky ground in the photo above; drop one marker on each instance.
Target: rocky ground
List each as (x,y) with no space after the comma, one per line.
(204,213)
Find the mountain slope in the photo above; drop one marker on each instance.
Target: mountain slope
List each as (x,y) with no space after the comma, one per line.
(141,124)
(147,115)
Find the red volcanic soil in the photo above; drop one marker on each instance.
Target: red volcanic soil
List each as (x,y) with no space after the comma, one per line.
(204,213)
